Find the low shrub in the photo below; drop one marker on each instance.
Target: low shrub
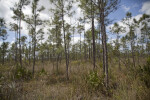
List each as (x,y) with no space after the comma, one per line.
(22,73)
(94,80)
(145,73)
(42,72)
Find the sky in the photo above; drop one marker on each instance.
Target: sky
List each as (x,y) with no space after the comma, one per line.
(136,7)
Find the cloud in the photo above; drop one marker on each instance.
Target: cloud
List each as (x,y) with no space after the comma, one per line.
(113,37)
(125,8)
(145,7)
(12,42)
(77,39)
(6,13)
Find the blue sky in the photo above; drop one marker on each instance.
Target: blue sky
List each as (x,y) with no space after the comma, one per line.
(136,7)
(132,6)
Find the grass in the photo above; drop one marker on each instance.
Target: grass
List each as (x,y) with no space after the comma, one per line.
(48,84)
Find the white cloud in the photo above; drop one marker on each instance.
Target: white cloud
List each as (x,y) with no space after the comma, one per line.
(12,42)
(6,13)
(125,8)
(145,7)
(137,30)
(77,39)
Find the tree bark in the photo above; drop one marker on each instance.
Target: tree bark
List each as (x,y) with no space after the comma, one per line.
(34,47)
(67,76)
(93,34)
(3,53)
(19,39)
(104,42)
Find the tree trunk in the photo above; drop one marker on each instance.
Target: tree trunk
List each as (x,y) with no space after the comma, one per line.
(19,39)
(34,47)
(133,58)
(57,62)
(3,52)
(93,34)
(67,76)
(16,47)
(119,60)
(80,50)
(105,56)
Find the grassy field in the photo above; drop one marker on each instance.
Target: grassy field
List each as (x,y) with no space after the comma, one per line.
(83,84)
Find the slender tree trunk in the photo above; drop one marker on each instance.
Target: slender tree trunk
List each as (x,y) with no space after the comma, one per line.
(133,58)
(93,34)
(74,46)
(57,62)
(76,53)
(57,59)
(53,58)
(99,53)
(119,60)
(102,32)
(84,42)
(89,51)
(34,47)
(118,51)
(68,53)
(16,47)
(80,50)
(105,56)
(20,38)
(3,52)
(29,54)
(67,76)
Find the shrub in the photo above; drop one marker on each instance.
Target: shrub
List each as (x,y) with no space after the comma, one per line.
(94,80)
(22,73)
(42,72)
(146,73)
(101,64)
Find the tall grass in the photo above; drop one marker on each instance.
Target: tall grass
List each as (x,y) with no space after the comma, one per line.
(83,84)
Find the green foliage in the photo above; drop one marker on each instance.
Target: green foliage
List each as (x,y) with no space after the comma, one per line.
(101,64)
(145,73)
(75,62)
(94,80)
(42,72)
(22,73)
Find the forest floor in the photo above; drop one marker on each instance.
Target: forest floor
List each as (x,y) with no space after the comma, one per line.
(83,84)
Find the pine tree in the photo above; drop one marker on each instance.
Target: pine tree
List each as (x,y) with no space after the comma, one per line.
(117,30)
(14,27)
(131,34)
(63,8)
(34,21)
(3,36)
(19,15)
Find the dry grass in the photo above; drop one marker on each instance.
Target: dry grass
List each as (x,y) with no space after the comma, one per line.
(54,86)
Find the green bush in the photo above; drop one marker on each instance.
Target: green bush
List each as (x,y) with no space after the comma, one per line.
(101,64)
(42,72)
(94,80)
(146,73)
(22,73)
